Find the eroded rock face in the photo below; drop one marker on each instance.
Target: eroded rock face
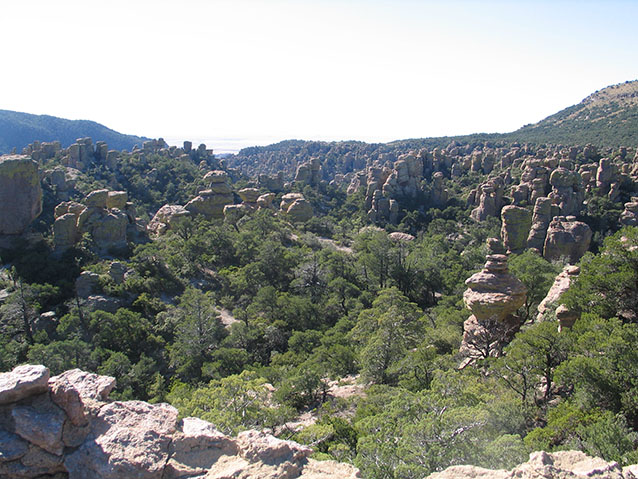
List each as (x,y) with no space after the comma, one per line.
(567,238)
(167,217)
(296,206)
(542,465)
(105,215)
(20,193)
(493,293)
(66,425)
(517,222)
(561,284)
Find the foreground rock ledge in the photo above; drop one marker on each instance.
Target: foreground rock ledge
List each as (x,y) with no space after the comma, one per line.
(543,465)
(65,427)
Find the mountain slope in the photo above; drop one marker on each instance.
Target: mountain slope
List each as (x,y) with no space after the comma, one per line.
(18,129)
(608,117)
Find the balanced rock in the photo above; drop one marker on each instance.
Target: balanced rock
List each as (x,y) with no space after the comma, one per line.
(493,293)
(20,193)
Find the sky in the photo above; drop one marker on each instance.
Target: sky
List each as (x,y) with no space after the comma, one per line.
(268,70)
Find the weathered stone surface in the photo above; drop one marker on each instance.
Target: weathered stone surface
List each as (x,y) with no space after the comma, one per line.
(216,176)
(96,199)
(300,211)
(493,293)
(20,193)
(128,439)
(209,204)
(249,195)
(196,448)
(86,283)
(22,382)
(265,200)
(567,238)
(167,217)
(11,446)
(106,227)
(561,284)
(39,428)
(517,222)
(117,199)
(71,387)
(65,231)
(74,432)
(543,465)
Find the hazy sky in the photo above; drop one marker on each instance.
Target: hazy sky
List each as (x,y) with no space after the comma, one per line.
(311,69)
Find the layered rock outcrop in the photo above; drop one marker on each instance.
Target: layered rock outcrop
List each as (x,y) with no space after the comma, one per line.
(65,426)
(210,202)
(20,193)
(296,207)
(493,295)
(104,215)
(543,465)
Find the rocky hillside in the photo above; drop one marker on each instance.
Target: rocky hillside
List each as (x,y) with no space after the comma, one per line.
(608,117)
(17,130)
(65,426)
(541,465)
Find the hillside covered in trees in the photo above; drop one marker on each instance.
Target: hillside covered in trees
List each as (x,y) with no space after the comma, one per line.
(403,307)
(17,130)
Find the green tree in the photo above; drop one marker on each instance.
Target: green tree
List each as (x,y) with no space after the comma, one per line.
(385,333)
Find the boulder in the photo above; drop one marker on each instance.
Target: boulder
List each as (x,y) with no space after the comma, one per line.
(117,199)
(300,211)
(127,439)
(196,448)
(65,231)
(541,465)
(20,193)
(22,382)
(265,200)
(96,199)
(167,217)
(249,195)
(567,238)
(209,204)
(70,388)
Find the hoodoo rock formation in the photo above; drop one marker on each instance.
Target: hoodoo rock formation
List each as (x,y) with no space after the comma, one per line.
(210,202)
(493,295)
(551,302)
(104,215)
(65,426)
(20,193)
(567,238)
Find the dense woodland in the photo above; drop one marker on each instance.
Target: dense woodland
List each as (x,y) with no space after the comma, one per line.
(249,324)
